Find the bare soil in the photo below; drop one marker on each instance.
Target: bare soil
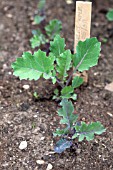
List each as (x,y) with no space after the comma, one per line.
(24,118)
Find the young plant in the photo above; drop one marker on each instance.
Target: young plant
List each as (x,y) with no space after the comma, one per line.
(56,66)
(73,128)
(41,5)
(51,30)
(41,11)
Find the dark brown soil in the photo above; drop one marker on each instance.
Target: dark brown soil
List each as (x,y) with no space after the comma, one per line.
(23,118)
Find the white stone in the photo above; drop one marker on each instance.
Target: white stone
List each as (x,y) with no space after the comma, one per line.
(23,145)
(35,116)
(4,66)
(42,138)
(26,86)
(49,167)
(69,1)
(40,162)
(9,73)
(9,15)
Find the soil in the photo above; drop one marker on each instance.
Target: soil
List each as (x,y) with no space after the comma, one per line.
(23,118)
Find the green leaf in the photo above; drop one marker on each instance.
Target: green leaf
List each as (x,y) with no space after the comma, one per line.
(67,113)
(53,28)
(87,54)
(62,145)
(60,132)
(77,81)
(56,92)
(74,96)
(110,15)
(57,46)
(36,32)
(37,40)
(38,19)
(88,130)
(66,92)
(35,94)
(33,66)
(41,5)
(53,73)
(104,40)
(63,64)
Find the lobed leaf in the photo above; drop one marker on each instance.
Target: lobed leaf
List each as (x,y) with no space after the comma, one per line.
(33,66)
(87,54)
(53,28)
(38,19)
(57,46)
(66,92)
(62,145)
(88,130)
(60,132)
(63,64)
(37,40)
(67,113)
(41,4)
(36,32)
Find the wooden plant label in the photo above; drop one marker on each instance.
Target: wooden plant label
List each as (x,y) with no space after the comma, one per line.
(82,24)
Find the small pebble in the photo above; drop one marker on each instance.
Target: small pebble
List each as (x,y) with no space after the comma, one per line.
(42,138)
(69,1)
(33,23)
(5,8)
(9,15)
(23,145)
(51,144)
(78,151)
(100,156)
(49,167)
(1,26)
(108,113)
(35,116)
(96,24)
(26,86)
(40,162)
(9,73)
(5,66)
(1,87)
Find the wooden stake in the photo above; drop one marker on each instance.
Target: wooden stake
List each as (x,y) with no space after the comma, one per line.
(82,25)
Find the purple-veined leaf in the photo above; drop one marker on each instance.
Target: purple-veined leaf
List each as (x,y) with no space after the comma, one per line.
(62,145)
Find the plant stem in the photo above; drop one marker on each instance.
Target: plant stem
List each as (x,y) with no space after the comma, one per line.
(76,68)
(59,82)
(69,79)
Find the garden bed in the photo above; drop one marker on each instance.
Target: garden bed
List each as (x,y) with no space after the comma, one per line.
(24,118)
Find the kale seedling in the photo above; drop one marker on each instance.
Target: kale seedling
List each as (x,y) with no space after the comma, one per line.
(56,66)
(41,11)
(73,128)
(51,30)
